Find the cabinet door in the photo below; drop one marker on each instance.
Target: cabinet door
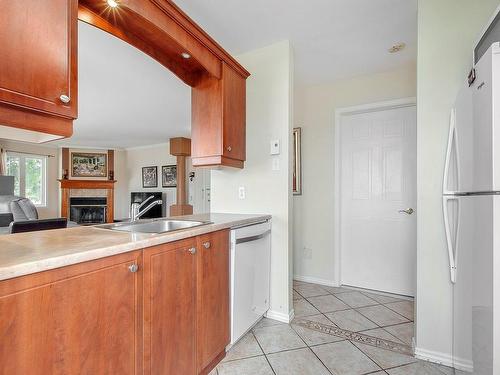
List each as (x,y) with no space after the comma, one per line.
(38,58)
(234,97)
(169,309)
(79,319)
(213,324)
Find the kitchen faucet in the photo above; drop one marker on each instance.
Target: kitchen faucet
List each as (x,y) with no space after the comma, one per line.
(135,208)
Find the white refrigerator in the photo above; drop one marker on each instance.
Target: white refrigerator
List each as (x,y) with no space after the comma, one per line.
(471,208)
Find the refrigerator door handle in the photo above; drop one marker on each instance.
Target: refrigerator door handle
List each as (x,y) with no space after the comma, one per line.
(450,244)
(452,140)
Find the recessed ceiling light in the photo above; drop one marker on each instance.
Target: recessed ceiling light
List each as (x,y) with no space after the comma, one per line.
(185,55)
(112,3)
(397,47)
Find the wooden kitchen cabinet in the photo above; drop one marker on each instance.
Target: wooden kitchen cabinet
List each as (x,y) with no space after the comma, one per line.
(169,308)
(38,60)
(212,298)
(80,319)
(219,120)
(161,310)
(186,309)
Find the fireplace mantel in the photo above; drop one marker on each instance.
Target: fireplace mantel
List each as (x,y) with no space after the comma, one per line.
(68,184)
(87,184)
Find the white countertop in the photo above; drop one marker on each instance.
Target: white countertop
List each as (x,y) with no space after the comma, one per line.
(27,253)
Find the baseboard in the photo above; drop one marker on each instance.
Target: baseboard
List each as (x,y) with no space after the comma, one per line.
(444,359)
(281,317)
(314,280)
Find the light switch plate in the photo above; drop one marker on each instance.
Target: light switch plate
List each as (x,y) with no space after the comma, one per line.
(275,147)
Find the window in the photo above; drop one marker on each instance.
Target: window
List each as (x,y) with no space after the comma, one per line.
(30,176)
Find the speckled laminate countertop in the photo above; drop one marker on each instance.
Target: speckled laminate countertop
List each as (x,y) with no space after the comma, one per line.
(27,253)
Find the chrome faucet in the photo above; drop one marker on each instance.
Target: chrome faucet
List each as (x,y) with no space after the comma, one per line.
(135,208)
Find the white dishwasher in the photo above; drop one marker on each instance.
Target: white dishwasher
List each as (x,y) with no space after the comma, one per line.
(250,273)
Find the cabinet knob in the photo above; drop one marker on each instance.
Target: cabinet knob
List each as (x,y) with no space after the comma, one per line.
(192,250)
(229,148)
(206,245)
(64,98)
(133,268)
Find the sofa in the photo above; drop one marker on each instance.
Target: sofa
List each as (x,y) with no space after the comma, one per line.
(18,214)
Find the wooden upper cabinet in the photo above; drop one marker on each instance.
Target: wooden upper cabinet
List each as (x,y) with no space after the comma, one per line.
(38,57)
(169,308)
(81,319)
(219,120)
(212,299)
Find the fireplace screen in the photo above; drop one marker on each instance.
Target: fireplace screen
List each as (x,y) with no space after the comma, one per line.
(88,210)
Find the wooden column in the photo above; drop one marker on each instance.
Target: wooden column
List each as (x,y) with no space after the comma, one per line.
(181,148)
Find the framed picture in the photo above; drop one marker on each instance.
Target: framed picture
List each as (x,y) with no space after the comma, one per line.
(149,177)
(85,164)
(169,176)
(297,162)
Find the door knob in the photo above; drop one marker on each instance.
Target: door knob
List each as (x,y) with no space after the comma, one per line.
(64,98)
(133,268)
(206,245)
(229,148)
(192,250)
(408,211)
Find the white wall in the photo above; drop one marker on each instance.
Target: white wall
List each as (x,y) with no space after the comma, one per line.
(147,156)
(269,116)
(52,208)
(314,210)
(447,30)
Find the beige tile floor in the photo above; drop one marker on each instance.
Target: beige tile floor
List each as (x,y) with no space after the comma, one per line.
(274,348)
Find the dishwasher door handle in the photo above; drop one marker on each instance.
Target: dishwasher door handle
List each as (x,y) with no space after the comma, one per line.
(253,238)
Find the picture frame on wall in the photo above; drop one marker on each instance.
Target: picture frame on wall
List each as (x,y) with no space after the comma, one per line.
(89,164)
(297,162)
(169,176)
(149,177)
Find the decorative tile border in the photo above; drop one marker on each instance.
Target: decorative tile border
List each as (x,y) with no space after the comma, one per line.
(354,336)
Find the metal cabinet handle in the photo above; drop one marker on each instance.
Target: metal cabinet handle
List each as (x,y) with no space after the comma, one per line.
(133,268)
(192,250)
(229,148)
(206,245)
(408,211)
(65,99)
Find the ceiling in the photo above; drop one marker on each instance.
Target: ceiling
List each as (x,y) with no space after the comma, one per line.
(126,99)
(332,39)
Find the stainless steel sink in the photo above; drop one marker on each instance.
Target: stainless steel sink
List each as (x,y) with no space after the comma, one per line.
(154,226)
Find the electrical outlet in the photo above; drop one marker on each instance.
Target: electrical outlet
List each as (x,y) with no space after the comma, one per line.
(241,192)
(308,254)
(276,164)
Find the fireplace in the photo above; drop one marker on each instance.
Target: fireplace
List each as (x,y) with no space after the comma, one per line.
(103,190)
(88,210)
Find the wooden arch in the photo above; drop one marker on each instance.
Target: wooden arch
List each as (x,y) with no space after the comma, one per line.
(163,31)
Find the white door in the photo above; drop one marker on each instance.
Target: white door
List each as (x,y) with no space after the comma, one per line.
(199,190)
(377,182)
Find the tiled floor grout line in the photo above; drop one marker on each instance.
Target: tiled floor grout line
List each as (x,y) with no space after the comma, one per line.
(351,308)
(396,311)
(263,352)
(308,347)
(248,357)
(366,355)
